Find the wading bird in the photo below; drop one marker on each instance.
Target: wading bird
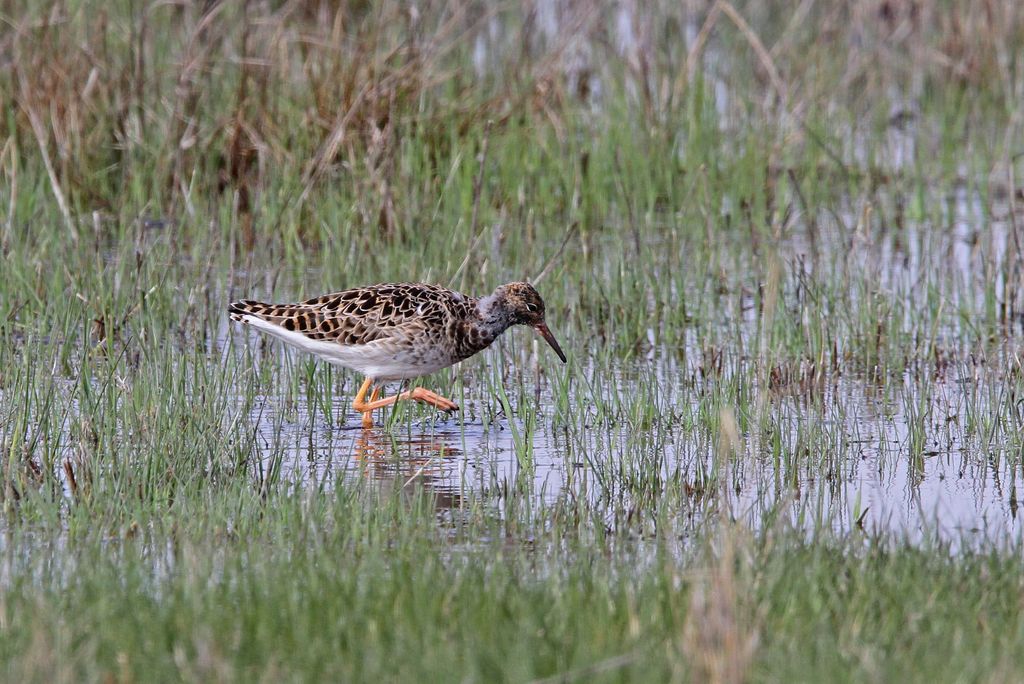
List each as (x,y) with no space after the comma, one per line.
(398,331)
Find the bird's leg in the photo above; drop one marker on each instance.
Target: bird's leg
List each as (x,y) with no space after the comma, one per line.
(418,394)
(360,404)
(368,416)
(434,399)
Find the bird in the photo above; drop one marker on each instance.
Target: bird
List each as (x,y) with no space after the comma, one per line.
(398,331)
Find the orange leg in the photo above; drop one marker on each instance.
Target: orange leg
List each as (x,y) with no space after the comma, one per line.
(368,415)
(360,404)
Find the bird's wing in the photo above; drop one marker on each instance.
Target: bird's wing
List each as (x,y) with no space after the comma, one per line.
(361,315)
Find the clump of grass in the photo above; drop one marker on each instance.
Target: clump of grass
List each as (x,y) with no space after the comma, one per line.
(272,601)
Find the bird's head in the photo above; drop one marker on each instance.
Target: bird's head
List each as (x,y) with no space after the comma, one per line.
(524,306)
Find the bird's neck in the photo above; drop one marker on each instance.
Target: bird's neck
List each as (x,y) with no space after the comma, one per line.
(492,316)
(485,322)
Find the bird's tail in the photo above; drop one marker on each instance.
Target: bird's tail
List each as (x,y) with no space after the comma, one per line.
(247,307)
(274,313)
(303,318)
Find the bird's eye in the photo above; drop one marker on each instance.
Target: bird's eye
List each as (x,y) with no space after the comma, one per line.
(532,308)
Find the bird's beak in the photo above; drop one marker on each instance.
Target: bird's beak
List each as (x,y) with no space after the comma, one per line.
(542,328)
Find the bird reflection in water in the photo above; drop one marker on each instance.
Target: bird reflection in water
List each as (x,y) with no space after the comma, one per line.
(418,462)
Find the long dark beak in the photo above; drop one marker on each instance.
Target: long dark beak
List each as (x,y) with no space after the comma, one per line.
(550,339)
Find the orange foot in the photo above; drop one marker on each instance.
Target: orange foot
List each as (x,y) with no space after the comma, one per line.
(360,404)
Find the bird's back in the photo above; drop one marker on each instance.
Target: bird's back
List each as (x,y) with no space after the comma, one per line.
(387,331)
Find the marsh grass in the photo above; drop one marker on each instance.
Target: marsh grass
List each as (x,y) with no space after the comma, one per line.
(779,243)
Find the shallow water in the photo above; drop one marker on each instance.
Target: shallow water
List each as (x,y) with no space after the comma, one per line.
(854,466)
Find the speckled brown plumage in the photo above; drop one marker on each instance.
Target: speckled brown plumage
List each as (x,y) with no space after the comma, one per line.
(397,331)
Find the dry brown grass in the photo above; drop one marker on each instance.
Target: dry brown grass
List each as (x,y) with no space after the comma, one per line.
(229,98)
(720,635)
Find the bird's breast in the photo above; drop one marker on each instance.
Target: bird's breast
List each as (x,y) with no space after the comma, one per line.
(471,338)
